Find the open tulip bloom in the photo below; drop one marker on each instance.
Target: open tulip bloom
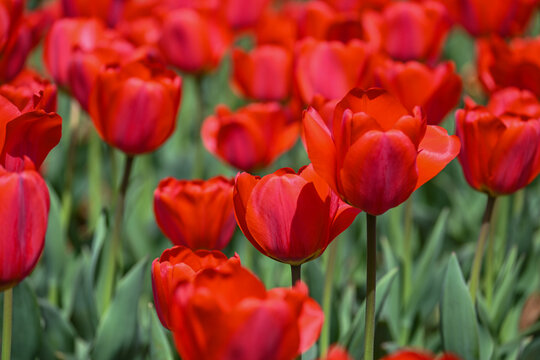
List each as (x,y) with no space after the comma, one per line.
(374,154)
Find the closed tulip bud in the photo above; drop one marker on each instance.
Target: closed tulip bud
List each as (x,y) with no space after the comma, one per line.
(418,355)
(109,11)
(250,138)
(336,352)
(263,74)
(193,41)
(179,264)
(17,44)
(290,217)
(230,308)
(501,142)
(24,212)
(437,90)
(376,153)
(198,214)
(134,106)
(345,66)
(241,14)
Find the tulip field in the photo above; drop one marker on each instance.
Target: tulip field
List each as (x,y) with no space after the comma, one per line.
(269,179)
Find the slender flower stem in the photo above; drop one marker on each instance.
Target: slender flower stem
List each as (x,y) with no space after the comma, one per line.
(407,252)
(477,262)
(7,323)
(198,165)
(369,344)
(296,274)
(327,297)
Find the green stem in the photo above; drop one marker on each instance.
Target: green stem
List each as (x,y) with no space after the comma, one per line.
(296,274)
(371,287)
(477,262)
(7,323)
(327,297)
(490,262)
(198,162)
(407,253)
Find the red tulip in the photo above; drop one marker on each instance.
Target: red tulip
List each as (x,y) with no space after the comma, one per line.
(250,138)
(193,41)
(336,352)
(418,355)
(65,37)
(276,28)
(263,74)
(197,214)
(26,131)
(241,14)
(375,153)
(501,142)
(23,217)
(484,17)
(345,66)
(516,64)
(109,11)
(180,264)
(230,309)
(28,91)
(357,5)
(134,106)
(414,30)
(437,90)
(290,217)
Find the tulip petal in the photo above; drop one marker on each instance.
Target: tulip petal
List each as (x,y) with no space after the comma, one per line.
(320,147)
(436,150)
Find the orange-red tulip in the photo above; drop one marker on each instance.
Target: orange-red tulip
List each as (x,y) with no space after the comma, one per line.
(501,142)
(418,355)
(263,74)
(516,63)
(290,217)
(109,11)
(28,91)
(336,352)
(195,213)
(134,106)
(345,66)
(23,219)
(193,41)
(437,90)
(375,153)
(484,17)
(181,264)
(250,138)
(227,313)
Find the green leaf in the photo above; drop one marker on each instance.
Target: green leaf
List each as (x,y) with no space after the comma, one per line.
(116,336)
(459,329)
(160,348)
(354,338)
(84,314)
(58,335)
(26,329)
(531,351)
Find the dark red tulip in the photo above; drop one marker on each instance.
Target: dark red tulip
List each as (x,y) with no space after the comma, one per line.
(195,213)
(263,74)
(23,219)
(414,30)
(290,217)
(501,142)
(375,153)
(65,37)
(437,90)
(250,138)
(181,264)
(242,14)
(516,63)
(134,106)
(345,66)
(484,17)
(109,11)
(230,308)
(193,41)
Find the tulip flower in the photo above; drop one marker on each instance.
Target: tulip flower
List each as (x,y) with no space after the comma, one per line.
(484,17)
(23,217)
(503,65)
(134,106)
(28,91)
(356,5)
(229,308)
(336,352)
(193,41)
(414,30)
(418,355)
(241,14)
(197,214)
(437,90)
(263,74)
(290,217)
(251,137)
(345,66)
(376,153)
(501,142)
(179,264)
(64,38)
(109,11)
